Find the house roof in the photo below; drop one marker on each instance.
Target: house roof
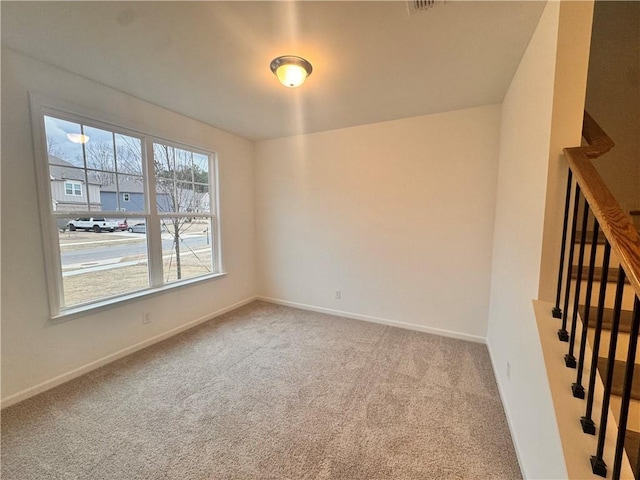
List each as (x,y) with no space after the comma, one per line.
(372,60)
(124,187)
(60,169)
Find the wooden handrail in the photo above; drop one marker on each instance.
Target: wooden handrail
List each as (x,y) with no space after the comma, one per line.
(598,141)
(617,225)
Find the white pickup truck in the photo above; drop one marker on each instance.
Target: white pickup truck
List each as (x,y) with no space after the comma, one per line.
(97,224)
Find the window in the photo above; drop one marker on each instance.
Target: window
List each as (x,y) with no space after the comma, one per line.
(73,188)
(171,233)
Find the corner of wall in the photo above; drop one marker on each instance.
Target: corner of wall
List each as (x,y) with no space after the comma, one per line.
(570,85)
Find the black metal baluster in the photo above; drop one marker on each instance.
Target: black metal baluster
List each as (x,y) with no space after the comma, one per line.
(598,465)
(626,393)
(577,388)
(588,426)
(557,313)
(569,359)
(563,335)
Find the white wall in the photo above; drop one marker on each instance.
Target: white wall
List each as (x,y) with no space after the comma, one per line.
(34,351)
(397,215)
(546,95)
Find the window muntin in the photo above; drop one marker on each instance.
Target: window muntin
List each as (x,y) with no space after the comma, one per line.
(114,169)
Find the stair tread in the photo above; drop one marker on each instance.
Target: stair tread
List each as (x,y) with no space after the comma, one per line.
(632,447)
(589,238)
(618,377)
(612,275)
(626,317)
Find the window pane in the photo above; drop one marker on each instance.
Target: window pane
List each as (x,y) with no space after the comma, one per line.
(201,168)
(202,199)
(184,170)
(163,161)
(99,149)
(166,198)
(182,180)
(133,187)
(100,182)
(103,179)
(63,141)
(101,265)
(185,197)
(129,154)
(186,248)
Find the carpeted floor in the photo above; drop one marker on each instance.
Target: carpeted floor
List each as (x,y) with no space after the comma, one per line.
(271,392)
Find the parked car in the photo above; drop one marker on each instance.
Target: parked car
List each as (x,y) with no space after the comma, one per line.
(122,225)
(97,224)
(138,228)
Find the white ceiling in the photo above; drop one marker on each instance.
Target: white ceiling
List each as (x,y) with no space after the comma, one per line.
(210,60)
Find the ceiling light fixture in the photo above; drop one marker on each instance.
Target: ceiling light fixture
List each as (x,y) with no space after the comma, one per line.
(291,71)
(78,137)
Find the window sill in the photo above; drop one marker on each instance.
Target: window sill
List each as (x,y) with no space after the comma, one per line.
(99,306)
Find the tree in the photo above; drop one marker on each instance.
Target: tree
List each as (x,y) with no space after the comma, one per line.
(53,149)
(99,156)
(102,160)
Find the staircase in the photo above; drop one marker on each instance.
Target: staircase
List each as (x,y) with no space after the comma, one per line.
(632,436)
(599,285)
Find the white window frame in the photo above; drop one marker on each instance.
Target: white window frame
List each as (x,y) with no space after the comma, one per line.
(73,184)
(41,106)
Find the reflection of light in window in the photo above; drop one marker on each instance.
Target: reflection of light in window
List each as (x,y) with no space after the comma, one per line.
(77,137)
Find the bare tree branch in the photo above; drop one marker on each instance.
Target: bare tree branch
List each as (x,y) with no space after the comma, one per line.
(54,149)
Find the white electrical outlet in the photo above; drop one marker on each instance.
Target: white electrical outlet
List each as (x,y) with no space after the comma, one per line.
(337,294)
(146,318)
(509,370)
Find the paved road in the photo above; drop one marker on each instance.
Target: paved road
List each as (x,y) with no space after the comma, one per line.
(106,251)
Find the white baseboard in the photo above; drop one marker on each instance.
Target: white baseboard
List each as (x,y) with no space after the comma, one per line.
(65,377)
(383,321)
(514,438)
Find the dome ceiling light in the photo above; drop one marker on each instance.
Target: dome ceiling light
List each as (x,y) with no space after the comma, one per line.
(292,71)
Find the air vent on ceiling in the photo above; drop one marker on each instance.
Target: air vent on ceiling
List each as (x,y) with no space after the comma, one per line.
(415,6)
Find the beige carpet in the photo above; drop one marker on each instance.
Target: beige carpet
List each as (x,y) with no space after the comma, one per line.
(271,392)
